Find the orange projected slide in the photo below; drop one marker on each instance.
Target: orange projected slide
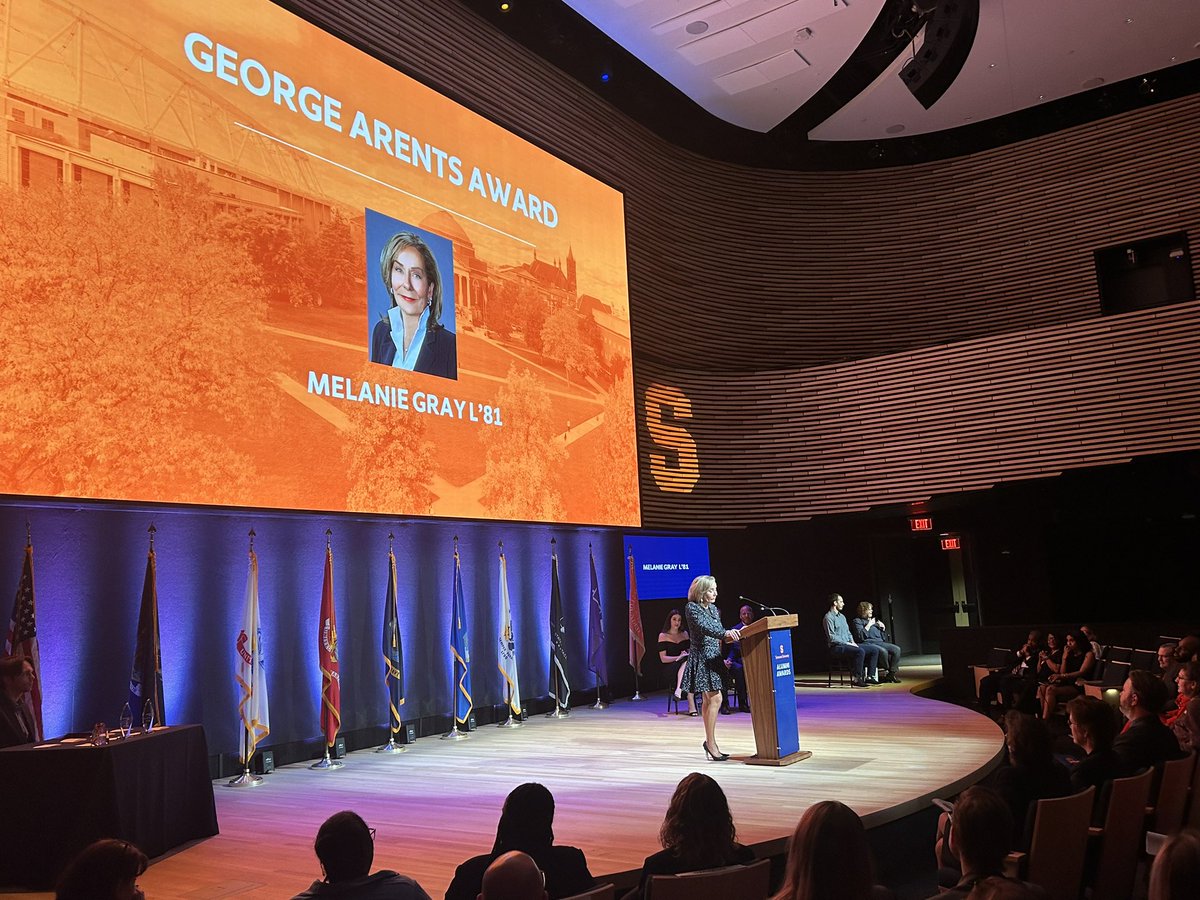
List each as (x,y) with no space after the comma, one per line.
(245,264)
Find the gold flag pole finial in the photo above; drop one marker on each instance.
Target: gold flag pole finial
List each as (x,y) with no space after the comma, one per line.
(328,538)
(251,534)
(28,533)
(151,530)
(391,537)
(501,543)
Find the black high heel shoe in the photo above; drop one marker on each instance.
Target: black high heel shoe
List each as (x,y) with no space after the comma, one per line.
(715,758)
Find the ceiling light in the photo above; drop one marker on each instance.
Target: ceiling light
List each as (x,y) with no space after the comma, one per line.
(894,129)
(1092,82)
(696,27)
(803,35)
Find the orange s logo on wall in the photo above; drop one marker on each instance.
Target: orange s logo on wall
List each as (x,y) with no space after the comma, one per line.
(678,469)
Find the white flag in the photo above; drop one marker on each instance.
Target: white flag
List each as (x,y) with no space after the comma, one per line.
(508,648)
(251,673)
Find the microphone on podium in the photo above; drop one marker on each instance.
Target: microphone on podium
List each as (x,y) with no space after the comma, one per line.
(773,610)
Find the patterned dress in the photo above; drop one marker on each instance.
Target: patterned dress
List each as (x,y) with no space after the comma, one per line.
(705,668)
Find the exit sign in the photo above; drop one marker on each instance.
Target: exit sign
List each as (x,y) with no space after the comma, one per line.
(921,524)
(951,542)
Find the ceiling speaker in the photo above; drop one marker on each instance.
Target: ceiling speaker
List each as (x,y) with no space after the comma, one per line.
(949,36)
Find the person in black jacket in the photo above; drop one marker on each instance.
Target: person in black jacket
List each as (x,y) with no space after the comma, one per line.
(411,336)
(16,720)
(527,824)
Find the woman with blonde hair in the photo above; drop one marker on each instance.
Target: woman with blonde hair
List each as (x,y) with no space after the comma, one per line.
(704,672)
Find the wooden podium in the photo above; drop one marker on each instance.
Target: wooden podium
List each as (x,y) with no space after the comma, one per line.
(770,676)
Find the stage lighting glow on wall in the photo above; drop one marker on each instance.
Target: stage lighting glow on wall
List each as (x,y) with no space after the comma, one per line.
(948,38)
(248,265)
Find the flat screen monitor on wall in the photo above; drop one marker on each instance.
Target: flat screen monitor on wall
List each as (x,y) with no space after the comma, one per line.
(665,566)
(248,265)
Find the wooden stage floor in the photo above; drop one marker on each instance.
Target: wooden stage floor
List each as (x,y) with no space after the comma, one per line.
(883,751)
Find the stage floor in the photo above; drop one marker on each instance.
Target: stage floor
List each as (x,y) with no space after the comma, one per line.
(883,751)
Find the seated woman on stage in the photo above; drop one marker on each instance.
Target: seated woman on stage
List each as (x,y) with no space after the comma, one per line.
(527,824)
(698,833)
(1078,661)
(673,647)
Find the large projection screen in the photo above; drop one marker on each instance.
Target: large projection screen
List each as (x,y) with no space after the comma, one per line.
(245,264)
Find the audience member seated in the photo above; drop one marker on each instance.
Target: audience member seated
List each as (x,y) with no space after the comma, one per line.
(1168,668)
(869,630)
(1093,639)
(1048,661)
(345,847)
(513,876)
(673,648)
(1031,773)
(980,837)
(1093,725)
(734,669)
(697,833)
(107,870)
(829,858)
(1184,718)
(1188,649)
(527,824)
(1145,740)
(16,720)
(1078,661)
(1015,682)
(1175,874)
(859,657)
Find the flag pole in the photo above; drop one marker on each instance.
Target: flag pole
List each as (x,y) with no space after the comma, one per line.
(599,704)
(391,746)
(558,712)
(246,779)
(325,763)
(636,696)
(511,721)
(454,734)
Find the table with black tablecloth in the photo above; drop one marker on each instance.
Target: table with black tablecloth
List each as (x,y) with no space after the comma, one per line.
(152,790)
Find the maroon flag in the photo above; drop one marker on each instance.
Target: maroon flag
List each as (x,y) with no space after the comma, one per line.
(637,637)
(21,637)
(331,683)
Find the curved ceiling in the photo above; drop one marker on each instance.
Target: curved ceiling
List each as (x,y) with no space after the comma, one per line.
(816,84)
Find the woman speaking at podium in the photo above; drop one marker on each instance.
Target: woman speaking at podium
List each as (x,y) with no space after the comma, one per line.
(704,671)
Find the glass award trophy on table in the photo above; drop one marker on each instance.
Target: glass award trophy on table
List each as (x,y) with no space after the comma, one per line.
(126,721)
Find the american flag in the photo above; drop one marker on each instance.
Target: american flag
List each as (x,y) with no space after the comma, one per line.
(21,637)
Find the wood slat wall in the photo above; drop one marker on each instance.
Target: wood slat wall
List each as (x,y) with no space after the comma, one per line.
(807,315)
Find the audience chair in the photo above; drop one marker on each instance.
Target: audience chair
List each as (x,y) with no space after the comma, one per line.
(1057,844)
(1171,802)
(750,882)
(1193,819)
(1119,654)
(840,663)
(999,659)
(1113,676)
(1120,838)
(600,892)
(1144,660)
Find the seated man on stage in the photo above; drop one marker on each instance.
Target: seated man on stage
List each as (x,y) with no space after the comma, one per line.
(870,630)
(861,657)
(736,676)
(345,847)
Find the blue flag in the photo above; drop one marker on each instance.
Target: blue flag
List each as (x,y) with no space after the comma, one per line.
(460,651)
(393,650)
(596,660)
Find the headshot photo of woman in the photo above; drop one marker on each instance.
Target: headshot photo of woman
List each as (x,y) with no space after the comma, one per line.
(410,335)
